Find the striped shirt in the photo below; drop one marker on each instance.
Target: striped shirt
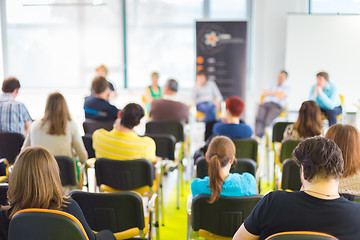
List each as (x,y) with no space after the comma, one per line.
(122,145)
(13,114)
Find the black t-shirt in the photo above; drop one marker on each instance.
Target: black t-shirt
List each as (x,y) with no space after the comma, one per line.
(282,211)
(99,109)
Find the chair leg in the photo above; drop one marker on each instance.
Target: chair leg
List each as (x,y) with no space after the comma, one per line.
(161,189)
(178,187)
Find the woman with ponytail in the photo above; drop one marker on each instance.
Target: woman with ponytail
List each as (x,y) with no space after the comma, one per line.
(220,156)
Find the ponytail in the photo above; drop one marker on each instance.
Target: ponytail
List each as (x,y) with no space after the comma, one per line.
(216,181)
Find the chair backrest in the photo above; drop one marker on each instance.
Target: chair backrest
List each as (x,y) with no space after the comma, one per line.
(114,211)
(278,131)
(124,175)
(240,165)
(165,145)
(3,194)
(174,128)
(224,216)
(287,148)
(10,145)
(44,224)
(290,178)
(301,235)
(209,128)
(67,170)
(91,125)
(246,148)
(88,143)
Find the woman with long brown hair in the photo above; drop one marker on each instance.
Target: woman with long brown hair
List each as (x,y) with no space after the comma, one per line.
(56,131)
(347,137)
(35,183)
(220,156)
(308,124)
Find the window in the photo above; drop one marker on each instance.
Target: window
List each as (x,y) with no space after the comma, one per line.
(335,6)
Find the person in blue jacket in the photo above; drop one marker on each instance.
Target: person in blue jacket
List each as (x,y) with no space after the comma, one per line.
(220,156)
(325,94)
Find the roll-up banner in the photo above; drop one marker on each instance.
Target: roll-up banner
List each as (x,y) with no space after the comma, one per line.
(221,51)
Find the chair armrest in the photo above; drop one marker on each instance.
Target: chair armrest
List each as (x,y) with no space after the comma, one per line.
(151,203)
(91,162)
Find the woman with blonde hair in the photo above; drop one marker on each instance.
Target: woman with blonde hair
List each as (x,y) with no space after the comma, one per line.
(308,124)
(347,137)
(220,156)
(35,183)
(56,131)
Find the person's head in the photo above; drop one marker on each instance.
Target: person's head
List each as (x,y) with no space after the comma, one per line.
(320,159)
(131,115)
(100,86)
(309,122)
(347,137)
(234,106)
(11,85)
(201,77)
(171,87)
(101,71)
(56,114)
(154,78)
(35,181)
(282,77)
(322,78)
(220,154)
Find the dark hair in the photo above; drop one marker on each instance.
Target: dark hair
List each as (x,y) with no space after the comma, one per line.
(285,72)
(131,115)
(235,105)
(324,75)
(172,85)
(99,85)
(320,158)
(10,84)
(220,151)
(347,137)
(202,72)
(309,122)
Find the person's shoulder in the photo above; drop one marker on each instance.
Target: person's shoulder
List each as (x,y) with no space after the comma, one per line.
(100,131)
(147,139)
(242,176)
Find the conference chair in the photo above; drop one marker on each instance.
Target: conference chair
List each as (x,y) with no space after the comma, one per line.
(10,146)
(301,235)
(246,148)
(44,224)
(90,126)
(290,179)
(240,166)
(88,143)
(287,148)
(67,170)
(3,194)
(219,219)
(122,213)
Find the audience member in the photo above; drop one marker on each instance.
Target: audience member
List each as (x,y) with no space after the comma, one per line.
(220,156)
(169,108)
(207,96)
(274,101)
(56,131)
(308,124)
(347,137)
(35,183)
(97,106)
(102,71)
(317,208)
(14,117)
(230,125)
(122,143)
(325,94)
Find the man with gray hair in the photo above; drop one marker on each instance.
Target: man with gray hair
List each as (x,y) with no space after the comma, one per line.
(169,108)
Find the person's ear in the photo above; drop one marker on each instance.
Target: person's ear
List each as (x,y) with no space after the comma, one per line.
(207,157)
(232,160)
(119,114)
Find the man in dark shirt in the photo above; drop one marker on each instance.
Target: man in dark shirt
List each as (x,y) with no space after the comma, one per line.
(97,106)
(169,108)
(318,207)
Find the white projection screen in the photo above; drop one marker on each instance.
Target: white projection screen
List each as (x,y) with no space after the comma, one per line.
(328,43)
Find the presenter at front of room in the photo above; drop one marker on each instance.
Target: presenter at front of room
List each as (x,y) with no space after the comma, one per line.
(326,95)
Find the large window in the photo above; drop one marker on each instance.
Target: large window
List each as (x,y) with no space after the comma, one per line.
(335,6)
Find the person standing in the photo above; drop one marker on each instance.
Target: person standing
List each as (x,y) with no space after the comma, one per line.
(325,94)
(274,101)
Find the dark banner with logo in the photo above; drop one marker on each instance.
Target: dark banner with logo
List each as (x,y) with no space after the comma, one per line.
(221,51)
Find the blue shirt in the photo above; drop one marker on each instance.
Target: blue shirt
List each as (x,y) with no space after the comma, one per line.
(99,109)
(235,185)
(13,115)
(328,99)
(232,130)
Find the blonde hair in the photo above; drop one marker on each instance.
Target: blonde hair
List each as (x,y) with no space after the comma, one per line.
(56,114)
(102,66)
(35,182)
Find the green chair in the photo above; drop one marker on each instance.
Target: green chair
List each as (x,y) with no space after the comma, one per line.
(290,178)
(246,148)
